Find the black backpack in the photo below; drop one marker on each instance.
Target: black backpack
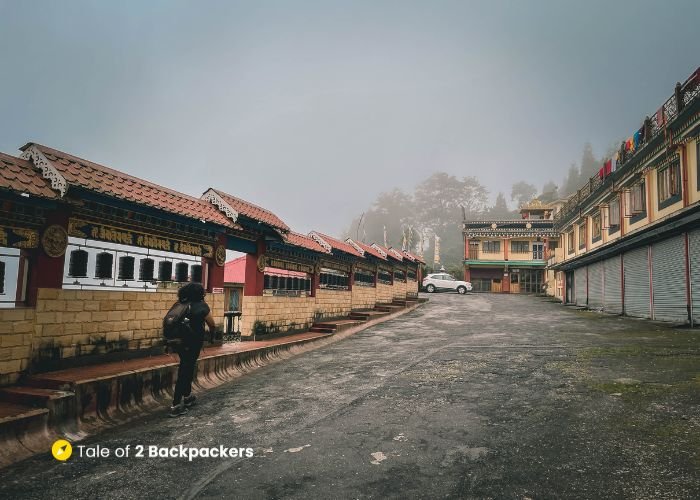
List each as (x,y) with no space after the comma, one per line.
(176,324)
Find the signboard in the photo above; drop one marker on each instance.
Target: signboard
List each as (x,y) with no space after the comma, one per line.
(286,265)
(84,229)
(14,237)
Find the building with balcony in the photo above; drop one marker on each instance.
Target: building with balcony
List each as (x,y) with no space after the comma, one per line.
(631,235)
(509,256)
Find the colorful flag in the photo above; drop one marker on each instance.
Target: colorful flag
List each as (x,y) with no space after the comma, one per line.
(436,259)
(385,245)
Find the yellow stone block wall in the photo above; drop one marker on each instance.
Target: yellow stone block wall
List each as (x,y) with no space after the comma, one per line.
(16,332)
(385,293)
(411,288)
(71,323)
(363,297)
(399,290)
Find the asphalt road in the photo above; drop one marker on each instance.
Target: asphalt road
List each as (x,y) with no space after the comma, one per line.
(477,396)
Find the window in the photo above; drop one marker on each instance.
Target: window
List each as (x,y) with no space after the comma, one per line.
(181,269)
(582,235)
(596,227)
(334,279)
(553,244)
(638,199)
(103,265)
(669,185)
(165,271)
(275,284)
(614,216)
(491,246)
(2,278)
(638,202)
(126,268)
(146,268)
(196,273)
(520,246)
(78,263)
(399,275)
(411,275)
(364,277)
(384,277)
(570,241)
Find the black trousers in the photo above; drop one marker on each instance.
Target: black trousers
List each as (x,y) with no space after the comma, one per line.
(188,354)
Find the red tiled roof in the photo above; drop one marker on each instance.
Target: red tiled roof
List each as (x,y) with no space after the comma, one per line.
(20,176)
(368,249)
(389,252)
(415,257)
(395,254)
(339,245)
(301,240)
(96,177)
(253,211)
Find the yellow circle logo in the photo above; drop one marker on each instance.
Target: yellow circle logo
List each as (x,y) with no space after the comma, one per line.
(61,450)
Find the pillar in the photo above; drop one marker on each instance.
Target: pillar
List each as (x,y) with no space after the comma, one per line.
(45,271)
(467,273)
(254,278)
(215,272)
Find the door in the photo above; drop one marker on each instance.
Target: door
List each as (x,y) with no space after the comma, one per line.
(569,287)
(612,285)
(668,280)
(581,284)
(538,251)
(595,285)
(636,279)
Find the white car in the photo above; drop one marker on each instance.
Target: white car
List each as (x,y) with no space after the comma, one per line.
(443,281)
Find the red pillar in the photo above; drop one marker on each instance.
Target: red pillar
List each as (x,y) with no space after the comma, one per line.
(467,274)
(215,273)
(45,271)
(254,278)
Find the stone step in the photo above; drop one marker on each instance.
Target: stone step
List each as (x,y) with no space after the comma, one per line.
(318,329)
(37,397)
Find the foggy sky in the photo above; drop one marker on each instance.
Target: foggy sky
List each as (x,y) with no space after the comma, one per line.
(312,108)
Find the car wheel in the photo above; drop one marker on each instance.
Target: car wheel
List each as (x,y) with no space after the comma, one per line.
(461,290)
(430,288)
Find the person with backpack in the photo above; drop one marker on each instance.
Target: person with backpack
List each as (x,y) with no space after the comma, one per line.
(183,329)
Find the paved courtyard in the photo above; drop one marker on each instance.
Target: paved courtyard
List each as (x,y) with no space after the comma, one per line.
(477,396)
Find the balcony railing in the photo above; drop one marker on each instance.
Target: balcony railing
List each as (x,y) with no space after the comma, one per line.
(683,95)
(473,254)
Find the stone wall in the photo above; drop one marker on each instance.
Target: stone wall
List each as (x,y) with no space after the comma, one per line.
(72,323)
(399,289)
(276,314)
(363,297)
(385,293)
(16,331)
(411,288)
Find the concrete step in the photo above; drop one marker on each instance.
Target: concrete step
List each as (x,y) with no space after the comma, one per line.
(13,413)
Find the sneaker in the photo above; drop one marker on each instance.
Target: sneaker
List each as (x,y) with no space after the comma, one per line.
(178,409)
(190,401)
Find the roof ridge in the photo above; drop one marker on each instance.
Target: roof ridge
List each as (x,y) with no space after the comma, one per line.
(224,193)
(118,173)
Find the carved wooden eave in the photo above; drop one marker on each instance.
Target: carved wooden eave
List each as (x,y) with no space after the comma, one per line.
(378,249)
(213,197)
(48,171)
(355,246)
(314,236)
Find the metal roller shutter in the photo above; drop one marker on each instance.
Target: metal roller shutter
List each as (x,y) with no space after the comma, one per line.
(595,285)
(668,279)
(694,257)
(612,285)
(636,278)
(581,285)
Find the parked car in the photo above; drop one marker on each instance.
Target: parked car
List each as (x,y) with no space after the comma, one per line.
(443,281)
